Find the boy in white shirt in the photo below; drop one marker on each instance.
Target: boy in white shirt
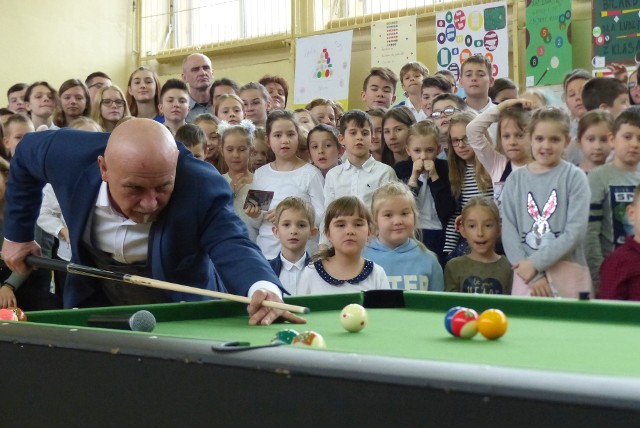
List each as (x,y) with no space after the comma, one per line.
(294,225)
(360,175)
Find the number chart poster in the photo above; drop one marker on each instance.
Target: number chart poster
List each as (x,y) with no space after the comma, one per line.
(548,41)
(322,67)
(616,32)
(473,30)
(393,44)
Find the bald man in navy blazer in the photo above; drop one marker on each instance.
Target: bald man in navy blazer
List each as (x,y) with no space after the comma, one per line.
(179,204)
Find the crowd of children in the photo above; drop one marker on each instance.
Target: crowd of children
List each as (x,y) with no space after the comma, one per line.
(496,193)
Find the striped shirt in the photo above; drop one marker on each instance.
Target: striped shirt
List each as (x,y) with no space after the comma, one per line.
(469,190)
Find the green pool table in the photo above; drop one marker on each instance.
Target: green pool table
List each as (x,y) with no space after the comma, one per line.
(563,362)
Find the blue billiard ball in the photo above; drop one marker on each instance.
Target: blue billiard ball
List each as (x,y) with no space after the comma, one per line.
(447,318)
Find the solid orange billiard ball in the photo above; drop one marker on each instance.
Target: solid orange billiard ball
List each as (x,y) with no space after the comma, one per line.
(492,324)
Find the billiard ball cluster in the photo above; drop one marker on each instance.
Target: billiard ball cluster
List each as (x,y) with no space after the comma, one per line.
(466,323)
(353,319)
(292,337)
(12,314)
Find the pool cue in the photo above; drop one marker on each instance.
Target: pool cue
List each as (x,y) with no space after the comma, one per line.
(63,266)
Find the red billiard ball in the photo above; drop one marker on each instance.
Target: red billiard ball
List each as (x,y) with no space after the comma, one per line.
(463,323)
(12,314)
(492,324)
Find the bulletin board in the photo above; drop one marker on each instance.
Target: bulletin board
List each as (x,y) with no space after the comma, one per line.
(615,32)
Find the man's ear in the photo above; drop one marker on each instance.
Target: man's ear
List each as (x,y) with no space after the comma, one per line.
(103,167)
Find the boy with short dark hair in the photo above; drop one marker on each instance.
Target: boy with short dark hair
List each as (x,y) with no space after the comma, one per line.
(450,77)
(431,87)
(194,139)
(605,93)
(293,226)
(174,104)
(620,272)
(360,174)
(612,187)
(476,79)
(15,96)
(379,88)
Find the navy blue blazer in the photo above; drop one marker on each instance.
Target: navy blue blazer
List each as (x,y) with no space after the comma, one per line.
(195,231)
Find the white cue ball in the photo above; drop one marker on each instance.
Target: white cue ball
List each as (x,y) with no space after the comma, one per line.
(353,318)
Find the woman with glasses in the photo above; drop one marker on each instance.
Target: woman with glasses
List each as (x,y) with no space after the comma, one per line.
(109,107)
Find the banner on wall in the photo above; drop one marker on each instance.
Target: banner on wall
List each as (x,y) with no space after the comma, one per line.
(548,41)
(393,44)
(615,32)
(322,68)
(473,30)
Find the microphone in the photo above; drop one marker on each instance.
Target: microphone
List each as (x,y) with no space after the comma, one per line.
(138,321)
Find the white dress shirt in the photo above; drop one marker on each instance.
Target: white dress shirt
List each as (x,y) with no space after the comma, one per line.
(361,181)
(291,272)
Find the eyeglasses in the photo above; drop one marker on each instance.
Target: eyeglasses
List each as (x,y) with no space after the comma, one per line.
(107,102)
(449,111)
(632,85)
(455,142)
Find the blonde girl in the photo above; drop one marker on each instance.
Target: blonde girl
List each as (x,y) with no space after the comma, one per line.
(236,142)
(481,271)
(109,107)
(229,108)
(340,268)
(543,232)
(409,265)
(287,175)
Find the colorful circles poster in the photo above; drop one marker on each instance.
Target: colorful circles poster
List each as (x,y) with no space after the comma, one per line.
(473,30)
(548,41)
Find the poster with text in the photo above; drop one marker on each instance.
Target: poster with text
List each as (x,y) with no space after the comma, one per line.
(615,32)
(393,44)
(322,67)
(548,41)
(473,30)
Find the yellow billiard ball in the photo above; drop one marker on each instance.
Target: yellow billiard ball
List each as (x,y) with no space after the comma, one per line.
(492,324)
